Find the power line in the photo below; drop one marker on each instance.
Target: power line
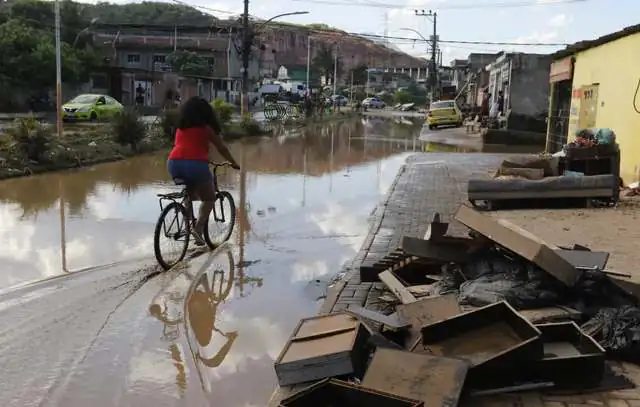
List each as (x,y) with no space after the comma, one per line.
(529,44)
(443,7)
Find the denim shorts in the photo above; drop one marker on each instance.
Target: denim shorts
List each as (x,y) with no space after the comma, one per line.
(190,172)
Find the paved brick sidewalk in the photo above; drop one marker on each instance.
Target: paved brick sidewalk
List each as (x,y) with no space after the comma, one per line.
(436,183)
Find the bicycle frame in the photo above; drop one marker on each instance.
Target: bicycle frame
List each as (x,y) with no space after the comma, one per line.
(183,199)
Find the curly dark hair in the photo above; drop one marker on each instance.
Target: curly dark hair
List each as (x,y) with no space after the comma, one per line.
(197,112)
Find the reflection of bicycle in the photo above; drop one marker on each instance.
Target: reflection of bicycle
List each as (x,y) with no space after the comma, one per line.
(178,230)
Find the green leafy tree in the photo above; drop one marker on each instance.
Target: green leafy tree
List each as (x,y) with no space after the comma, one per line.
(324,62)
(359,75)
(189,63)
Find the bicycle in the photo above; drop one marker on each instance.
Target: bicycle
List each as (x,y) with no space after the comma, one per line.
(180,204)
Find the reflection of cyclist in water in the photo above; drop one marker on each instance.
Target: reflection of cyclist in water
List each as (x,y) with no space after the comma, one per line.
(202,307)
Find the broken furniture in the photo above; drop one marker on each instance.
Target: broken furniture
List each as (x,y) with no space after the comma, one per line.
(437,381)
(520,242)
(337,393)
(495,191)
(321,347)
(427,311)
(492,338)
(571,357)
(600,159)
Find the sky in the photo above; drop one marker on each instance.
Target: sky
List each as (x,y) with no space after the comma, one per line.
(540,21)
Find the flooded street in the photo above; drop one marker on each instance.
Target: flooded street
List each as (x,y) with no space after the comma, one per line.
(104,328)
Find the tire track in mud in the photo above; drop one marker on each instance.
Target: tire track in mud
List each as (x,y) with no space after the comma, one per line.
(48,332)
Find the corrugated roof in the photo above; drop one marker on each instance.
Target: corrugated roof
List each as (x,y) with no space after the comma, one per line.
(585,45)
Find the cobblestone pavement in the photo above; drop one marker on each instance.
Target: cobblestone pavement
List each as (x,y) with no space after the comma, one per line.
(436,183)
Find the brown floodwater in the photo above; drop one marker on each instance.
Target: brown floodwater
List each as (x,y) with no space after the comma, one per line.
(87,320)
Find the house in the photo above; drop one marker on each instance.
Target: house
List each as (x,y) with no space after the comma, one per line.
(522,79)
(595,84)
(139,62)
(477,79)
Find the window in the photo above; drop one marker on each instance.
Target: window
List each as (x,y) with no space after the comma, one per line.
(133,59)
(442,105)
(111,101)
(159,59)
(211,61)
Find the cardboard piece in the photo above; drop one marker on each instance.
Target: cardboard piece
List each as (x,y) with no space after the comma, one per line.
(521,242)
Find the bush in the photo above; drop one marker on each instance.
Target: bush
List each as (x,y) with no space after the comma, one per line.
(250,126)
(224,111)
(128,128)
(169,123)
(30,138)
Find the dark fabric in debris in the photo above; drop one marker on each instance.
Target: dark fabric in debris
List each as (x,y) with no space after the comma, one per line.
(618,331)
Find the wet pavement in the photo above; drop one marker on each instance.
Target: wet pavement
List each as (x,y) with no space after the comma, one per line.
(105,328)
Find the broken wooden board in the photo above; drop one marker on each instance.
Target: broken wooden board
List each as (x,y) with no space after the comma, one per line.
(427,311)
(436,229)
(550,314)
(436,381)
(438,251)
(584,258)
(391,321)
(421,290)
(521,242)
(396,287)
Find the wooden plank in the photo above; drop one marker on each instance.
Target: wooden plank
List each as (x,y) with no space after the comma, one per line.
(427,311)
(550,314)
(396,287)
(521,242)
(421,290)
(584,258)
(390,321)
(436,381)
(436,251)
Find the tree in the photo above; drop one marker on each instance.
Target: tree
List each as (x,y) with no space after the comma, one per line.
(359,75)
(189,63)
(324,62)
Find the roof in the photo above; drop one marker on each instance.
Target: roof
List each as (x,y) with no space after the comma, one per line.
(585,45)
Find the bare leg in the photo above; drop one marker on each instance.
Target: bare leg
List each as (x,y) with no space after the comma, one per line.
(203,216)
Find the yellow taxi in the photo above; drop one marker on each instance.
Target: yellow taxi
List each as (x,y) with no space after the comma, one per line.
(444,113)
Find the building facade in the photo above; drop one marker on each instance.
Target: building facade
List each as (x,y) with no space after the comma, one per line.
(139,65)
(596,84)
(523,81)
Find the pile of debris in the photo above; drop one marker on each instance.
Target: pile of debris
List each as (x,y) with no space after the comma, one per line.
(498,311)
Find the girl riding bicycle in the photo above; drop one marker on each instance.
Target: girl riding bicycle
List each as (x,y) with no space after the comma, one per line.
(189,159)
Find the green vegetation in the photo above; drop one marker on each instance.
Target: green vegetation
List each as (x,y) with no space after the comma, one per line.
(324,61)
(128,129)
(411,94)
(189,63)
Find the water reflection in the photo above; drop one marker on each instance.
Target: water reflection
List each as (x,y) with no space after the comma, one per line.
(73,220)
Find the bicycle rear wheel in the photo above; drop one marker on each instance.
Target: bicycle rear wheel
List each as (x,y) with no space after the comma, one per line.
(174,225)
(221,220)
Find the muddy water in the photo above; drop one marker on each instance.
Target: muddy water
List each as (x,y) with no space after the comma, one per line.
(104,329)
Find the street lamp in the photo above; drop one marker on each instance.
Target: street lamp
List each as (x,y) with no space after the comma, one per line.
(58,70)
(246,50)
(84,30)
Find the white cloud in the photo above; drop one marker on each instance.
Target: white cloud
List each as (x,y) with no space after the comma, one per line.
(560,20)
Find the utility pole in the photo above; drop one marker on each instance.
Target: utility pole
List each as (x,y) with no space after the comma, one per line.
(435,91)
(246,51)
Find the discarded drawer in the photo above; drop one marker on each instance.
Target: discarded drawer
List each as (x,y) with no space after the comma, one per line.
(571,357)
(490,338)
(336,393)
(321,347)
(436,381)
(427,311)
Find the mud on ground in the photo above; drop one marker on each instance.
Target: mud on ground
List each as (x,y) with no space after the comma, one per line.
(614,230)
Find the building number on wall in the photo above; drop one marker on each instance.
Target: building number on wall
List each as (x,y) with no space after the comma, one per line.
(588,94)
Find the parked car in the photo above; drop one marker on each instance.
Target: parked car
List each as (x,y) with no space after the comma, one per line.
(444,113)
(339,100)
(374,103)
(89,107)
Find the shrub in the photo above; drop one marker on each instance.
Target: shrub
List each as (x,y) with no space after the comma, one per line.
(169,120)
(250,126)
(224,111)
(128,128)
(30,138)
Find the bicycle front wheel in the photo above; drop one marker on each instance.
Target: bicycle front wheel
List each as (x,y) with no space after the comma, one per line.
(221,220)
(173,225)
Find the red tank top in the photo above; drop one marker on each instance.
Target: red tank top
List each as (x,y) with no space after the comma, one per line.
(191,144)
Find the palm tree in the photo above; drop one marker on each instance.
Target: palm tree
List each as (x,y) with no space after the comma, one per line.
(324,60)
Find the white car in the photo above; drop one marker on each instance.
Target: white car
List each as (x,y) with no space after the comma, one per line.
(374,103)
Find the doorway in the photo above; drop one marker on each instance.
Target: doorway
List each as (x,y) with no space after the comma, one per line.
(559,116)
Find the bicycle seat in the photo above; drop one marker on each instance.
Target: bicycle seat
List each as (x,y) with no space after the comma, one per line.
(172,195)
